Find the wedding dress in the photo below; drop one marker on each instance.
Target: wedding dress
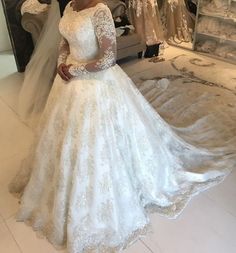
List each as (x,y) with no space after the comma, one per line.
(103,157)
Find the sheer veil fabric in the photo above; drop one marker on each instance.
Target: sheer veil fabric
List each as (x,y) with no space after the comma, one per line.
(40,71)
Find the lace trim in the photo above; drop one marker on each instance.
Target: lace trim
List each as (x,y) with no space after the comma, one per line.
(89,246)
(174,210)
(171,212)
(78,69)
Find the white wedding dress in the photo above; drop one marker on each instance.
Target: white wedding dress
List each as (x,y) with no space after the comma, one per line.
(103,157)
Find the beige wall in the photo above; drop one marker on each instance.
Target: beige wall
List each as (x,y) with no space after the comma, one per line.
(4,37)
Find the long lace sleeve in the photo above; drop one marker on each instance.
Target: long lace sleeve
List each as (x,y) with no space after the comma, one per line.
(64,51)
(106,35)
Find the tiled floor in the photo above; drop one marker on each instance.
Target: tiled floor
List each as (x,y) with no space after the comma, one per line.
(207,225)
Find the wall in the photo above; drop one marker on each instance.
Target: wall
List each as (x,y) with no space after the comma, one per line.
(4,37)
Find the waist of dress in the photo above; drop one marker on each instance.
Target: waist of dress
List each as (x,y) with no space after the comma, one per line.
(80,60)
(73,61)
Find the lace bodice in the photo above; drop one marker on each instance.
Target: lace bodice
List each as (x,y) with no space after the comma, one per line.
(89,39)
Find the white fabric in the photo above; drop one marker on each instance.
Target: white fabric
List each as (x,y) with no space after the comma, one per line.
(102,25)
(104,157)
(40,71)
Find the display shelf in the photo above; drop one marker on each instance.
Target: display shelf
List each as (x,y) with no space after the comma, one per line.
(219,39)
(217,57)
(218,16)
(201,37)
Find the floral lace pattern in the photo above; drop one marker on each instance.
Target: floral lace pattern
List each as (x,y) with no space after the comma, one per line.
(103,158)
(105,33)
(64,51)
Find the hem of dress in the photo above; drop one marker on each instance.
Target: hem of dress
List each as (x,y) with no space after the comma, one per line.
(174,211)
(170,212)
(131,239)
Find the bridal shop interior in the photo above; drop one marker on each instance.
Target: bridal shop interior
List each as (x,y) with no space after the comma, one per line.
(180,55)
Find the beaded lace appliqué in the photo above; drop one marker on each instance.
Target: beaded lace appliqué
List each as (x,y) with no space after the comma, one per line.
(106,36)
(63,51)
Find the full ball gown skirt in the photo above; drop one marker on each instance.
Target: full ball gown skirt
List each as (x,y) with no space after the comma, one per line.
(103,159)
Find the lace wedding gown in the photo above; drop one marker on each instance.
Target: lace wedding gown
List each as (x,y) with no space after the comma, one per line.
(103,157)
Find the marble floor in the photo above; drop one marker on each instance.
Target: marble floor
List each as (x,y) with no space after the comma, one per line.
(206,226)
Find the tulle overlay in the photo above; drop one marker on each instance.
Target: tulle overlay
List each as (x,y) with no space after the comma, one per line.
(103,155)
(40,71)
(103,158)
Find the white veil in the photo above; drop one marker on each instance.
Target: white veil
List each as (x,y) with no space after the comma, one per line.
(40,71)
